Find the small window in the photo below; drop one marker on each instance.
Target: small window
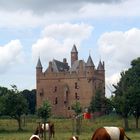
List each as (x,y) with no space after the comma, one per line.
(55,89)
(76,85)
(76,95)
(68,108)
(41,94)
(56,100)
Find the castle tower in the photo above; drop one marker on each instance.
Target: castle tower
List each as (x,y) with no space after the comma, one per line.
(90,67)
(101,70)
(38,67)
(90,62)
(74,54)
(100,66)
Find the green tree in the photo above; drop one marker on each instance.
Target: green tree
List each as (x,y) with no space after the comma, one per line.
(77,108)
(108,105)
(30,96)
(121,99)
(96,102)
(133,78)
(14,105)
(3,92)
(44,112)
(127,93)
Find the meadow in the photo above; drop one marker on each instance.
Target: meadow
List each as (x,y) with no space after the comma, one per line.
(63,127)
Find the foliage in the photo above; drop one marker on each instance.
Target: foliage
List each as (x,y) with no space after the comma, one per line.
(44,111)
(133,76)
(3,92)
(14,104)
(108,105)
(30,96)
(96,102)
(77,108)
(127,92)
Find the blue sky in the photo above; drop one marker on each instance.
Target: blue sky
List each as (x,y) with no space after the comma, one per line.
(107,29)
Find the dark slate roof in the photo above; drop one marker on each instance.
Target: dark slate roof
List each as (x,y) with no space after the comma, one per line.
(59,66)
(39,65)
(90,62)
(74,49)
(100,66)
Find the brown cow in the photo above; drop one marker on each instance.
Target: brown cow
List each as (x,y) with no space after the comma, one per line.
(35,136)
(109,133)
(49,127)
(74,138)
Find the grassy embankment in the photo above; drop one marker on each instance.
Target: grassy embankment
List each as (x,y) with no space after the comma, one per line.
(63,128)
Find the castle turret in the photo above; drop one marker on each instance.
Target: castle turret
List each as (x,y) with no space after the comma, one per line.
(38,67)
(101,70)
(90,67)
(90,62)
(74,54)
(100,66)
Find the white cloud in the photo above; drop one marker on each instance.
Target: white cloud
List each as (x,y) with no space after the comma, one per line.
(26,14)
(47,5)
(10,55)
(19,19)
(118,49)
(57,40)
(67,30)
(127,8)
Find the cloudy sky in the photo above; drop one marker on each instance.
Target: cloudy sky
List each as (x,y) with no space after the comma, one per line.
(107,29)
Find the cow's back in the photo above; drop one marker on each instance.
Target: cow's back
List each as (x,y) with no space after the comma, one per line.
(100,134)
(114,132)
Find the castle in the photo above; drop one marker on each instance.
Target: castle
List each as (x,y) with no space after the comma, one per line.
(63,85)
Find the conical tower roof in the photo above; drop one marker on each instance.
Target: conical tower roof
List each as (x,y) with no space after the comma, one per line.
(39,65)
(100,66)
(90,62)
(74,49)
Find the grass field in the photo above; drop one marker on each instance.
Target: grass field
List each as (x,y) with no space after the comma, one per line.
(63,128)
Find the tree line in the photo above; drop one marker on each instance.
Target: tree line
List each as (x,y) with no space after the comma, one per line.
(15,103)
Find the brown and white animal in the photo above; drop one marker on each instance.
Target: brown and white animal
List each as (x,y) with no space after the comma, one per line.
(35,136)
(49,127)
(74,138)
(109,133)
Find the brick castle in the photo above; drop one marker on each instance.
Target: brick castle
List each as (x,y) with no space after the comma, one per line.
(63,85)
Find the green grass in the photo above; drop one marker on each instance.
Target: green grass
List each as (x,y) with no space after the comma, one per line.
(63,128)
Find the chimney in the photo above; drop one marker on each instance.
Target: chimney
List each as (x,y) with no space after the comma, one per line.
(64,60)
